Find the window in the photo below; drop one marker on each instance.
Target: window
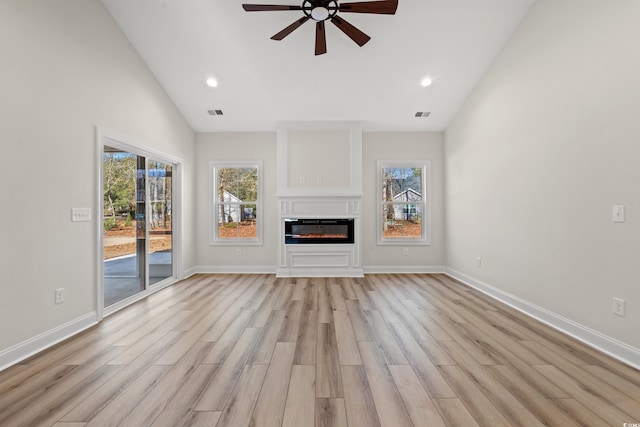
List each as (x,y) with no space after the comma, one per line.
(403,215)
(236,207)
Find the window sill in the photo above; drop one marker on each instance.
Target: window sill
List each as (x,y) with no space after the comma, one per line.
(230,242)
(403,242)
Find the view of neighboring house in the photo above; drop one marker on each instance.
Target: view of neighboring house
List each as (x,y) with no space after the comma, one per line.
(405,190)
(404,211)
(234,210)
(231,209)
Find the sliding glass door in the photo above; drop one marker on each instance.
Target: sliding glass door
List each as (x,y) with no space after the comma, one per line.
(137,223)
(160,176)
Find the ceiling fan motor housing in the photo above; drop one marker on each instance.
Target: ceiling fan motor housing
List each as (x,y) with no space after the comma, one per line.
(320,10)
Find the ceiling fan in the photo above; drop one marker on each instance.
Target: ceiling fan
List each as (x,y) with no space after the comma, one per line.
(327,10)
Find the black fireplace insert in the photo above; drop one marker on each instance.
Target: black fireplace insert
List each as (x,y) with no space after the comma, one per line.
(318,231)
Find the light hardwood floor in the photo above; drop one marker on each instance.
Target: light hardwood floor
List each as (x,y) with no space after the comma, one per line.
(386,350)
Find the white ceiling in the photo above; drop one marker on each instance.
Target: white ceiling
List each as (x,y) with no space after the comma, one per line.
(262,81)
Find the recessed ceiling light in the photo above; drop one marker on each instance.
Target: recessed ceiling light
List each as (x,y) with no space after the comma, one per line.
(426,82)
(211,82)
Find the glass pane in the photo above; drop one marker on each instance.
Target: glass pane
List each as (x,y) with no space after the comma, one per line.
(401,184)
(401,221)
(247,229)
(228,220)
(160,221)
(123,224)
(227,180)
(248,184)
(316,231)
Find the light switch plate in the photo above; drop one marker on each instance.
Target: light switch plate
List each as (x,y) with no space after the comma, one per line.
(80,214)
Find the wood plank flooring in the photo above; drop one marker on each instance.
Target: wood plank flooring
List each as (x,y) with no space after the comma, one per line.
(386,350)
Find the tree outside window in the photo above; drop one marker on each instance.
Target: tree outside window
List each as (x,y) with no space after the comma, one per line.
(403,202)
(236,202)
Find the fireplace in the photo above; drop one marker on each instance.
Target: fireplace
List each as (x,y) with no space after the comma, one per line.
(318,231)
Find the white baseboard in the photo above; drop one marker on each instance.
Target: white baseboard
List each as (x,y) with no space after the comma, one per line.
(28,348)
(237,269)
(189,272)
(608,345)
(319,272)
(267,269)
(404,269)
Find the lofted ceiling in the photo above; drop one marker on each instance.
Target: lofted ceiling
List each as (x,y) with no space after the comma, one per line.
(262,81)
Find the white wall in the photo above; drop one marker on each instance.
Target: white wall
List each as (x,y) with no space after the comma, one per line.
(544,147)
(402,146)
(236,146)
(262,146)
(66,68)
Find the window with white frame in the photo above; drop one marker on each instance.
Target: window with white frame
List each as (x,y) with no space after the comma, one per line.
(403,208)
(236,207)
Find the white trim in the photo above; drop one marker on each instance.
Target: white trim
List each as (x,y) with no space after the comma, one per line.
(124,142)
(214,240)
(99,218)
(425,165)
(350,272)
(28,348)
(105,136)
(234,269)
(189,272)
(404,269)
(320,272)
(177,217)
(355,152)
(595,339)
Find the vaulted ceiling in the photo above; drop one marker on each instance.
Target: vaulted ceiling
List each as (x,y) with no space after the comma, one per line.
(263,81)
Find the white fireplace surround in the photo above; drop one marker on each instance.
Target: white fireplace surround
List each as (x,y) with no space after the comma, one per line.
(319,176)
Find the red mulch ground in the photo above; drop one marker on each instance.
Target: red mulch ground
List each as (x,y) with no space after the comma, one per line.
(246,230)
(157,242)
(406,229)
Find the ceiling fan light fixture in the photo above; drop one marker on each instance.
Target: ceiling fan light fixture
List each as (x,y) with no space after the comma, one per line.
(319,13)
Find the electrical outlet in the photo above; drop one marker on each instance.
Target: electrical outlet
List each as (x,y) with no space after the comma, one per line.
(618,213)
(59,295)
(618,306)
(302,180)
(238,251)
(405,251)
(478,262)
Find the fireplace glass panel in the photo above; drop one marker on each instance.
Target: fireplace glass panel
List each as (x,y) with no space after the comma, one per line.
(318,231)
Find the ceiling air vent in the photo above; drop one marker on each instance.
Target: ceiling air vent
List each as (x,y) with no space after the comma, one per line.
(423,113)
(215,112)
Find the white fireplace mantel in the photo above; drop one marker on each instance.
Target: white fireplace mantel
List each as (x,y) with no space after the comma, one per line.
(319,176)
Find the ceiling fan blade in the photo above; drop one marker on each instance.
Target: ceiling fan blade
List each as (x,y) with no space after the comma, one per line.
(284,33)
(384,7)
(355,34)
(321,38)
(268,7)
